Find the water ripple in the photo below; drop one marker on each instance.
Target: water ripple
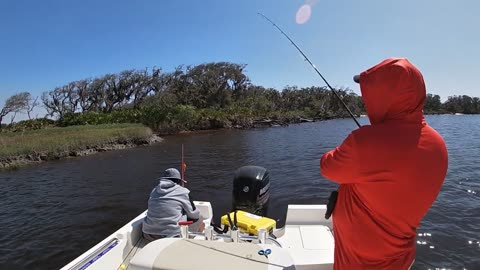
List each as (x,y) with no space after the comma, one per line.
(55,211)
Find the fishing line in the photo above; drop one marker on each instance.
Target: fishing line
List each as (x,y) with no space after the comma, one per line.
(315,68)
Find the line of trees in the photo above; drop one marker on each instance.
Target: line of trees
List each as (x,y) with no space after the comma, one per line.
(212,85)
(454,104)
(102,94)
(212,92)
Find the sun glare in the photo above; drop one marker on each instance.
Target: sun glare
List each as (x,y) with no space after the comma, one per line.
(303,14)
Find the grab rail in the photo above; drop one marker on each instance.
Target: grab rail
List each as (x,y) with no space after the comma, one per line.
(94,256)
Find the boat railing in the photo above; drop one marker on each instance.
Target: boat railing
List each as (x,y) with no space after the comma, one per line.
(95,255)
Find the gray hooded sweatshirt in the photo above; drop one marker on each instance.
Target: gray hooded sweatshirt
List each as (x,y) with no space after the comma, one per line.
(168,204)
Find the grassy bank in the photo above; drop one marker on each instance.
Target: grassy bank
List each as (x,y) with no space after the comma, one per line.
(55,143)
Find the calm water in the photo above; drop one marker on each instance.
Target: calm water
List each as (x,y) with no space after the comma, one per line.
(51,213)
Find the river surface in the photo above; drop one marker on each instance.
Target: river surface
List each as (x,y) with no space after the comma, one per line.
(52,212)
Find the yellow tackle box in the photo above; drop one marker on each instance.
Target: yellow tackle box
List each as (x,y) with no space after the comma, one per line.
(250,223)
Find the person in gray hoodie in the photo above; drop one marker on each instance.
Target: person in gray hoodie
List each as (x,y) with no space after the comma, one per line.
(169,203)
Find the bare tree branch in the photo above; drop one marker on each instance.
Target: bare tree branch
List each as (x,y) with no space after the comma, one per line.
(32,103)
(15,104)
(12,118)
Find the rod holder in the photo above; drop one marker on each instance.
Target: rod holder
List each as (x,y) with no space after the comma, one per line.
(184,228)
(209,233)
(234,235)
(262,236)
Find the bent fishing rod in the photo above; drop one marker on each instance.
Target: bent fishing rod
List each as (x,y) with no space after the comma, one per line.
(315,68)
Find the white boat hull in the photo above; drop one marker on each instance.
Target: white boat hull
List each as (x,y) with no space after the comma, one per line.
(306,243)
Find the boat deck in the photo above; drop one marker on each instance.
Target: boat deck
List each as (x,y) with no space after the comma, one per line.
(306,242)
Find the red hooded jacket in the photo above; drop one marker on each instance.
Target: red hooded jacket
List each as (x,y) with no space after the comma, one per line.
(390,172)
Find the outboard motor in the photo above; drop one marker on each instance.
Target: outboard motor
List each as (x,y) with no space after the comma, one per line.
(251,190)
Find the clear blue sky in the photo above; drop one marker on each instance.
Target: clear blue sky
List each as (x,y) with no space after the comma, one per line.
(48,43)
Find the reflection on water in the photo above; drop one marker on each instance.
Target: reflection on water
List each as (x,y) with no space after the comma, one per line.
(53,212)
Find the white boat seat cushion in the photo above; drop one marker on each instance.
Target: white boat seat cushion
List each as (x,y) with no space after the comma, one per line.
(180,254)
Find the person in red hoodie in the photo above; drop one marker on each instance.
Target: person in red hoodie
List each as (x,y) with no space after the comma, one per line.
(390,172)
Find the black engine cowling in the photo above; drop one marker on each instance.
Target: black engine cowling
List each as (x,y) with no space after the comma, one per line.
(251,190)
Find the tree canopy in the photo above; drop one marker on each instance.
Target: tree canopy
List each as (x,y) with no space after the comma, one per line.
(216,90)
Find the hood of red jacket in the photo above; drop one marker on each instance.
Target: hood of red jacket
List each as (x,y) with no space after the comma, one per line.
(393,90)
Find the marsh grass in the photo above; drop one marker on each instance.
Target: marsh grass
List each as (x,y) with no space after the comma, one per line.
(73,138)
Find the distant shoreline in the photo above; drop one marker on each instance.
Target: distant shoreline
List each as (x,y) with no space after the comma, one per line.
(16,162)
(33,147)
(111,143)
(72,148)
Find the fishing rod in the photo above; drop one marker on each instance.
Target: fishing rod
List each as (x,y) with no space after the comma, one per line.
(334,195)
(183,168)
(315,68)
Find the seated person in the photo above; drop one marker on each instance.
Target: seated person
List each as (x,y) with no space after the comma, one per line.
(169,203)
